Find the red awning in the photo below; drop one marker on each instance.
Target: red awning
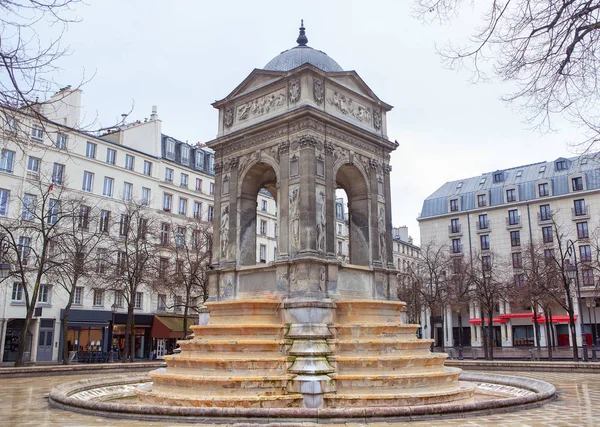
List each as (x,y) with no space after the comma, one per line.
(477,321)
(555,319)
(517,316)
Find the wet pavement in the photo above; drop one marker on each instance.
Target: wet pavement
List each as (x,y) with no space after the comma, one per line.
(23,402)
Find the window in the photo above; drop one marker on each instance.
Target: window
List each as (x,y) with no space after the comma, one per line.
(53,211)
(577,183)
(170,149)
(147,168)
(543,189)
(185,154)
(588,276)
(146,195)
(486,262)
(197,210)
(200,159)
(167,199)
(545,213)
(263,227)
(143,228)
(111,156)
(163,267)
(180,237)
(547,234)
(164,234)
(37,133)
(456,246)
(107,190)
(585,253)
(121,267)
(101,260)
(199,185)
(178,306)
(17,292)
(127,191)
(263,205)
(184,180)
(483,222)
(11,124)
(124,225)
(485,242)
(162,302)
(90,150)
(88,181)
(580,208)
(29,202)
(519,280)
(548,254)
(481,200)
(44,294)
(453,205)
(168,174)
(212,188)
(513,217)
(515,238)
(33,165)
(6,161)
(339,211)
(61,141)
(561,165)
(454,225)
(119,299)
(275,232)
(263,253)
(211,213)
(104,221)
(182,206)
(511,195)
(78,296)
(340,247)
(129,162)
(582,230)
(519,174)
(58,173)
(139,300)
(98,298)
(498,177)
(84,217)
(517,260)
(339,229)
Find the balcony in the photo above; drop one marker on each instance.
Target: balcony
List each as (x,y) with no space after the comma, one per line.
(582,212)
(455,230)
(544,218)
(456,249)
(513,222)
(483,226)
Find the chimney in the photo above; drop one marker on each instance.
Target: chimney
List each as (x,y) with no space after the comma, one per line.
(154,115)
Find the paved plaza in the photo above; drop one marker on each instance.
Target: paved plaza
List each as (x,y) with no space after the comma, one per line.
(23,402)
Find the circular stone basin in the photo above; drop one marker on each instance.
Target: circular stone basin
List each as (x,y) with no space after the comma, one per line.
(114,397)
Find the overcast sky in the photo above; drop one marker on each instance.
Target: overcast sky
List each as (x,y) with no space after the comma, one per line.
(184,55)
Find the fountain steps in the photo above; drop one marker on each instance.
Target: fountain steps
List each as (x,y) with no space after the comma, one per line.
(238,330)
(381,346)
(233,346)
(364,312)
(390,363)
(217,366)
(397,330)
(253,312)
(434,380)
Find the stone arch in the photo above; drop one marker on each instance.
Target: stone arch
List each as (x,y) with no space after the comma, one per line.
(259,175)
(352,180)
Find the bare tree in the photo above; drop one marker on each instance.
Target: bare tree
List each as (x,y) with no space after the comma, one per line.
(549,49)
(191,253)
(75,256)
(30,240)
(130,262)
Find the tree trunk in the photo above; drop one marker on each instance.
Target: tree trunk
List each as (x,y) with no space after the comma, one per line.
(131,321)
(536,324)
(128,327)
(548,334)
(573,335)
(23,339)
(491,334)
(185,314)
(65,331)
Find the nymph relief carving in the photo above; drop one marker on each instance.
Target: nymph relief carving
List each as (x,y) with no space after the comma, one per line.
(295,216)
(228,117)
(318,92)
(295,90)
(260,106)
(377,119)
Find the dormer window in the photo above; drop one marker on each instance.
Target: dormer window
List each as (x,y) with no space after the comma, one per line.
(498,177)
(482,181)
(185,154)
(542,169)
(453,205)
(544,189)
(481,200)
(577,183)
(561,165)
(459,185)
(519,173)
(170,149)
(511,195)
(199,159)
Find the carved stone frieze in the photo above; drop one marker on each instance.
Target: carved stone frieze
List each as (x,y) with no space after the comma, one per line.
(382,234)
(260,106)
(307,124)
(273,152)
(329,148)
(375,165)
(228,117)
(237,146)
(233,163)
(284,147)
(377,119)
(347,106)
(294,209)
(321,218)
(343,136)
(218,168)
(295,90)
(318,91)
(305,141)
(387,169)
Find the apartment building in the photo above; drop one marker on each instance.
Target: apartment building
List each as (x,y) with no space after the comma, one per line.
(501,213)
(133,161)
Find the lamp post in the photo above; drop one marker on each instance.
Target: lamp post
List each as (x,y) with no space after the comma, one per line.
(114,309)
(588,303)
(460,347)
(572,271)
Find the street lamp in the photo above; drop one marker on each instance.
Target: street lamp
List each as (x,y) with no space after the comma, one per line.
(460,347)
(114,308)
(588,303)
(572,271)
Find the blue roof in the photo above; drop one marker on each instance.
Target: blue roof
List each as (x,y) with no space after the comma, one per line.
(299,55)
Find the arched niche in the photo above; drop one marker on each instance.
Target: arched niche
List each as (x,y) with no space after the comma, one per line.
(352,181)
(260,175)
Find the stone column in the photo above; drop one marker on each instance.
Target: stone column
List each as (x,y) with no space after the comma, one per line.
(308,201)
(330,200)
(374,214)
(389,256)
(448,328)
(216,255)
(233,185)
(283,203)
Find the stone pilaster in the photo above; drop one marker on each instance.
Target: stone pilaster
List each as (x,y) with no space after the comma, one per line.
(283,204)
(330,200)
(308,233)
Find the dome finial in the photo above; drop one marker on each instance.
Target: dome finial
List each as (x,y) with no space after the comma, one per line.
(302,39)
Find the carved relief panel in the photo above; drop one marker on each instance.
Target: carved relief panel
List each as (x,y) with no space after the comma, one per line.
(262,105)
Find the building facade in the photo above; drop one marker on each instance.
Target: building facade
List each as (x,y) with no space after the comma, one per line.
(503,213)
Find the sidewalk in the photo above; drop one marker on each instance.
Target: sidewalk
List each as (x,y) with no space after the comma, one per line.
(49,368)
(514,353)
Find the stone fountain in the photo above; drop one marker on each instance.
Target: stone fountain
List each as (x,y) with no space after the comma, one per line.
(311,335)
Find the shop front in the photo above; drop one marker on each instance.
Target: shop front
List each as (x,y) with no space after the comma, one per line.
(12,338)
(88,335)
(166,330)
(143,324)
